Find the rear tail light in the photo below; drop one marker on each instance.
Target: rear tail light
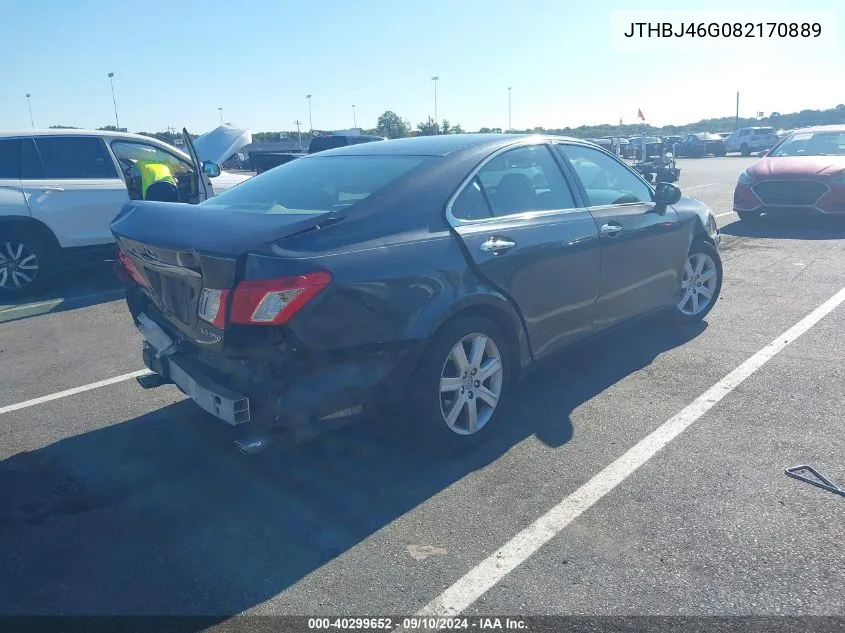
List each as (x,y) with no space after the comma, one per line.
(275,301)
(132,270)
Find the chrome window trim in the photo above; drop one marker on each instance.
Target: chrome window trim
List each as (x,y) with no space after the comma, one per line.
(602,207)
(524,215)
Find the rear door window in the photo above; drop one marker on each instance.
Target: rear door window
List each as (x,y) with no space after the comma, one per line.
(10,158)
(75,157)
(31,167)
(471,203)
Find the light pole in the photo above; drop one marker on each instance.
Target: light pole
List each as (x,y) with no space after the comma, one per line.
(510,127)
(29,103)
(221,114)
(436,124)
(736,120)
(298,133)
(354,118)
(310,122)
(114,101)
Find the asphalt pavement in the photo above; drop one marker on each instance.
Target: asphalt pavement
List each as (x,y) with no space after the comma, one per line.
(613,486)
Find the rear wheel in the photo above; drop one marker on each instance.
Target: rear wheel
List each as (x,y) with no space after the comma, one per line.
(24,264)
(744,150)
(701,283)
(720,152)
(457,390)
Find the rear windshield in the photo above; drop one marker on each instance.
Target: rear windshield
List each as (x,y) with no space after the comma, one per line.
(315,185)
(322,143)
(764,130)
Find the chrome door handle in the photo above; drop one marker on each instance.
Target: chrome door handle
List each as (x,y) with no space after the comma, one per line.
(48,189)
(610,229)
(496,244)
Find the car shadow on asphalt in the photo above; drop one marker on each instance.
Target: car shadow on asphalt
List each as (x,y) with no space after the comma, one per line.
(790,227)
(160,515)
(82,286)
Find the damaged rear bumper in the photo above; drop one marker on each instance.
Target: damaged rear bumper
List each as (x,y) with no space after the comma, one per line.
(299,403)
(218,400)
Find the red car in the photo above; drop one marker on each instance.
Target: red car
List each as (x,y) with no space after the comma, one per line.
(805,172)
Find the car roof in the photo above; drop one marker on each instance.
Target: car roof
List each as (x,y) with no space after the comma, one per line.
(820,128)
(128,136)
(440,145)
(71,132)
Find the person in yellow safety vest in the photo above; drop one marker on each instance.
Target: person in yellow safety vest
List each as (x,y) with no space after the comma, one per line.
(151,171)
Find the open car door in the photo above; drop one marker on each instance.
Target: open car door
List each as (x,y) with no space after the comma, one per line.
(204,190)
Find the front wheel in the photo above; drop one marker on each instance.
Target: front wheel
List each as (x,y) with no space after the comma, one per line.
(457,391)
(24,264)
(745,150)
(701,283)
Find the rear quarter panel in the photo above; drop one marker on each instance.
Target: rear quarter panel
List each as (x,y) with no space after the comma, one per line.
(399,272)
(394,294)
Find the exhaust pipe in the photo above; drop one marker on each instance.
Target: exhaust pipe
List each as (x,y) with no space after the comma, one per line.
(151,381)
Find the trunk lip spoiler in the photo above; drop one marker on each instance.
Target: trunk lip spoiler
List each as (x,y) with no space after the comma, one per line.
(168,268)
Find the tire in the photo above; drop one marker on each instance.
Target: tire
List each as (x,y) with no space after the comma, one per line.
(20,250)
(689,308)
(430,407)
(721,152)
(744,150)
(748,216)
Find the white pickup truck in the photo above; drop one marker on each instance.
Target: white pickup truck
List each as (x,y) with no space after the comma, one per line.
(60,189)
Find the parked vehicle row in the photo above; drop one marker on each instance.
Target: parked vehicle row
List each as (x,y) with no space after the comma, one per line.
(262,161)
(420,275)
(60,190)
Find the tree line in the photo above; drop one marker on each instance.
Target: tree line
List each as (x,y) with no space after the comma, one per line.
(391,125)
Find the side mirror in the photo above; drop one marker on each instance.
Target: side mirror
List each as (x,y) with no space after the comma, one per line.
(665,194)
(212,170)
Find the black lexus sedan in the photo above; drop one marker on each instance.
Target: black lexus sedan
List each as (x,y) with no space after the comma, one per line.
(419,277)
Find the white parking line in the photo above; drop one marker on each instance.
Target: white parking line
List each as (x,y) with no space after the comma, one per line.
(709,184)
(721,215)
(494,568)
(74,391)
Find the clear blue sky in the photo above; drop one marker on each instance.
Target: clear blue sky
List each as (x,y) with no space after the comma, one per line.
(259,58)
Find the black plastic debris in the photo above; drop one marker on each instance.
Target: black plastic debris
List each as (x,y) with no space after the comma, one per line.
(816,479)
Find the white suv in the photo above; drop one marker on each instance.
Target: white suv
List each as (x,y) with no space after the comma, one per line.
(746,140)
(60,190)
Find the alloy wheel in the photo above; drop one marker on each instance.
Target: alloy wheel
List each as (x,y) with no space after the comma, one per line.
(19,265)
(471,384)
(698,284)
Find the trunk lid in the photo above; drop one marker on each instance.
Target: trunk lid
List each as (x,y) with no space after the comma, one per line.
(178,250)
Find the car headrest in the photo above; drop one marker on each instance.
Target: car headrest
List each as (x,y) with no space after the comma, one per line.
(514,193)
